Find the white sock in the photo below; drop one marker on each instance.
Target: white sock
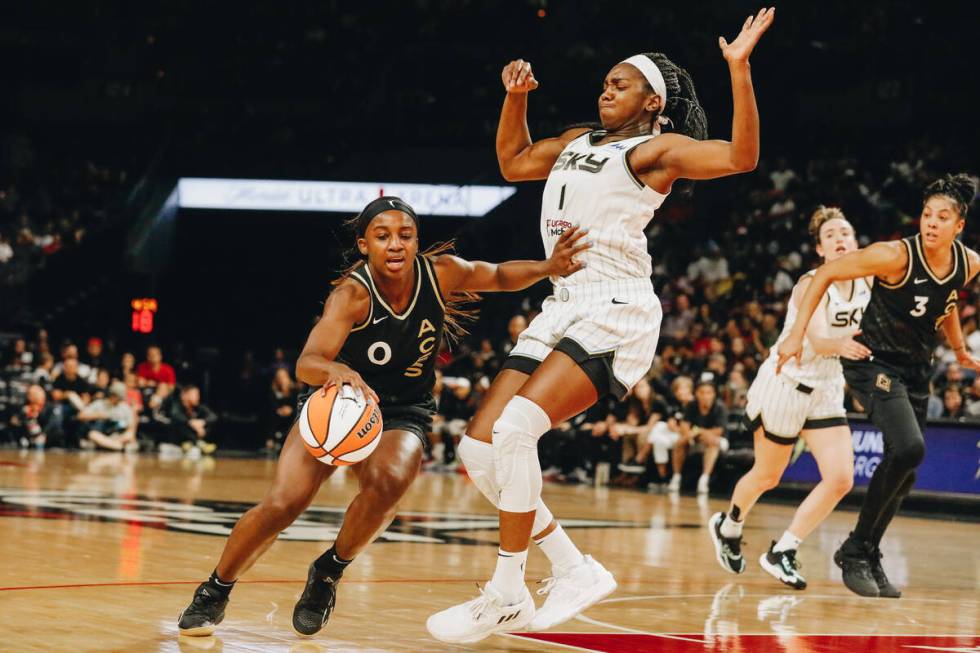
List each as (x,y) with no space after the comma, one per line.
(730,527)
(788,542)
(508,577)
(560,549)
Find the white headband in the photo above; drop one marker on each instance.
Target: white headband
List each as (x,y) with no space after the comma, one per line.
(649,70)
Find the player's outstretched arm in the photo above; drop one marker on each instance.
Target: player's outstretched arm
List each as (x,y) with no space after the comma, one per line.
(456,274)
(818,331)
(519,158)
(683,157)
(886,260)
(346,306)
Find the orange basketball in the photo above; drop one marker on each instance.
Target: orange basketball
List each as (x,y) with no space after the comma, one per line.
(339,427)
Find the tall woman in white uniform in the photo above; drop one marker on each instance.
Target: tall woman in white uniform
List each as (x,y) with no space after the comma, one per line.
(807,400)
(597,333)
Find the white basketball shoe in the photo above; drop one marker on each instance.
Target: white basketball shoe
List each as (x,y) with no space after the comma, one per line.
(483,616)
(571,591)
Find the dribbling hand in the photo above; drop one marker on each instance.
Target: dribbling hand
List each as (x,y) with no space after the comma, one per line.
(518,78)
(752,30)
(562,261)
(340,375)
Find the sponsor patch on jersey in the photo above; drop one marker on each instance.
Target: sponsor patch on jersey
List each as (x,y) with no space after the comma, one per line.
(883,382)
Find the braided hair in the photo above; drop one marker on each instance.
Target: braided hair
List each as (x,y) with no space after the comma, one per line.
(961,188)
(682,105)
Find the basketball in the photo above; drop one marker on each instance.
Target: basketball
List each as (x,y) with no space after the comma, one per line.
(340,427)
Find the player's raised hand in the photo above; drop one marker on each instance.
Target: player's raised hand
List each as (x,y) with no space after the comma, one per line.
(752,30)
(789,349)
(562,261)
(518,78)
(340,375)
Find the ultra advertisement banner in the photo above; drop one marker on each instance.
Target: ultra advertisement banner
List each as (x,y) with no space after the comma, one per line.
(952,462)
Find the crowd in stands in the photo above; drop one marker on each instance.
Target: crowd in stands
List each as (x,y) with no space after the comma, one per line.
(723,307)
(97,400)
(48,206)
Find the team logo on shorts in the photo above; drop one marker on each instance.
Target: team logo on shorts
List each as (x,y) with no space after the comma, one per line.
(883,383)
(317,524)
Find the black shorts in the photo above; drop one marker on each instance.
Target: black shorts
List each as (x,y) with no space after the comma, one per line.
(598,368)
(875,381)
(413,416)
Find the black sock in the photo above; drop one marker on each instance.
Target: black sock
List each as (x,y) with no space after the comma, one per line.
(330,564)
(222,587)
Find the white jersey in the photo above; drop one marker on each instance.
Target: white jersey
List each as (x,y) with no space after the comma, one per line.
(592,186)
(844,315)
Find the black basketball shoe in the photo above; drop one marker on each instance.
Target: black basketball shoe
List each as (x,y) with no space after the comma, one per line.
(207,610)
(728,550)
(885,588)
(854,559)
(315,605)
(784,566)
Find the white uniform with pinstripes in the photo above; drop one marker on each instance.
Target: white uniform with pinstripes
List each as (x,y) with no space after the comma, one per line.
(609,307)
(785,410)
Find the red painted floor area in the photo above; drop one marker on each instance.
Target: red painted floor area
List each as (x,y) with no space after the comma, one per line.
(681,643)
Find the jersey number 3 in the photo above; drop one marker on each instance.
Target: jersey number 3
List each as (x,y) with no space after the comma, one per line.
(920,306)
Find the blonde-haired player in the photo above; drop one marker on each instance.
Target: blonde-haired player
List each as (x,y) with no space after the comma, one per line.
(807,400)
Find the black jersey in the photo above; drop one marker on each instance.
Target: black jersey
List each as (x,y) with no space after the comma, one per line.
(901,323)
(396,354)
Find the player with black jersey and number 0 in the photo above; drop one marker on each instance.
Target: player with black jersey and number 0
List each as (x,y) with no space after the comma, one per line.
(380,332)
(917,284)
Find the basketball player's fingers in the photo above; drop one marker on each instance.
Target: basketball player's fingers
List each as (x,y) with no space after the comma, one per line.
(516,71)
(565,235)
(581,247)
(522,72)
(722,43)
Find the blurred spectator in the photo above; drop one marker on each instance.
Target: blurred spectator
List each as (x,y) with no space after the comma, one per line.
(678,323)
(100,388)
(455,410)
(43,373)
(515,328)
(127,364)
(665,434)
(95,357)
(711,268)
(69,351)
(72,394)
(284,395)
(153,372)
(644,410)
(35,424)
(704,423)
(953,403)
(6,250)
(110,422)
(190,422)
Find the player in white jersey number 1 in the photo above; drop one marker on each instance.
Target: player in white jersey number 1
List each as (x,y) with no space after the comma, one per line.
(807,400)
(597,334)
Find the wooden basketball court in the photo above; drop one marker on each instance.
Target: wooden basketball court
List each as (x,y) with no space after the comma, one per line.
(100,552)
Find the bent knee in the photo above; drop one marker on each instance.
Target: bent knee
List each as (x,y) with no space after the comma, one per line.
(910,455)
(840,483)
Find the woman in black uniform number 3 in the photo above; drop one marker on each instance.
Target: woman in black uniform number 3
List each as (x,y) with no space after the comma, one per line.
(379,333)
(917,284)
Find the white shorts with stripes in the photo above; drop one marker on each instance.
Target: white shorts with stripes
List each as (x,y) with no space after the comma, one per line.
(614,321)
(784,407)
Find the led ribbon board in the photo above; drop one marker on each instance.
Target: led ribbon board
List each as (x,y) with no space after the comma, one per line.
(336,196)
